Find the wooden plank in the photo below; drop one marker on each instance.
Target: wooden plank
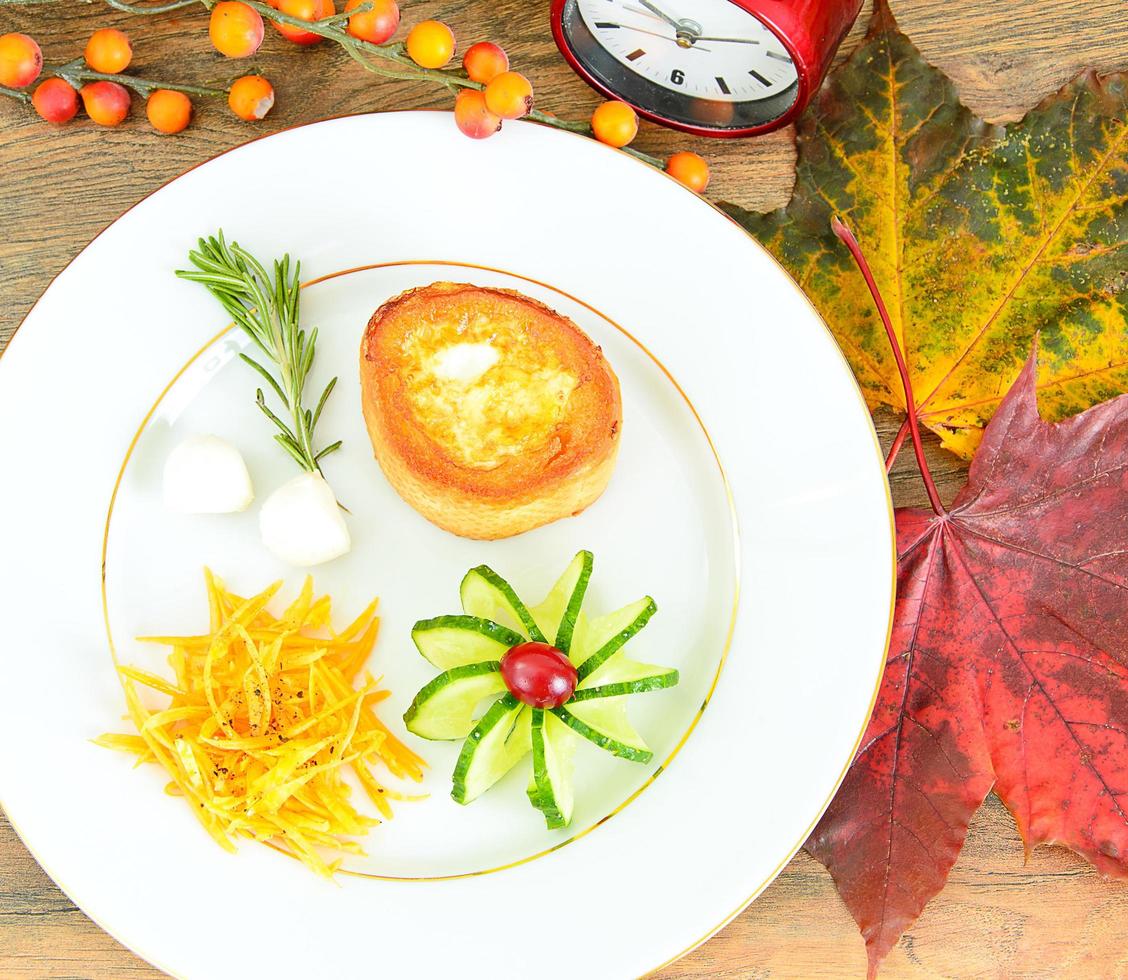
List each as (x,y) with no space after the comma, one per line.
(1052,916)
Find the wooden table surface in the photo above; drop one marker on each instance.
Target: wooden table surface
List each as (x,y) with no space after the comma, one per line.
(999,915)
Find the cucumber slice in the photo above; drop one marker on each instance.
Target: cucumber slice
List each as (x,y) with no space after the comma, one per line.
(556,615)
(498,742)
(550,790)
(452,641)
(604,722)
(621,675)
(598,639)
(445,708)
(487,595)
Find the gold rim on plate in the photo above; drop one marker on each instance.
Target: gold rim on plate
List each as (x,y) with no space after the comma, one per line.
(879,459)
(689,404)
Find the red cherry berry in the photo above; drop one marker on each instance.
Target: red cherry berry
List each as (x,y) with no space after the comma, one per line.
(539,675)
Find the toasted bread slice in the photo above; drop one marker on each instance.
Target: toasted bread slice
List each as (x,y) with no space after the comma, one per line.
(489,413)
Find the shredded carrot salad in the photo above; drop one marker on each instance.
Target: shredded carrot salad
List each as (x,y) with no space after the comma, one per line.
(264,720)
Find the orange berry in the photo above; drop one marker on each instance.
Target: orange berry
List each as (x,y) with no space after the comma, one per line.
(509,95)
(376,25)
(614,123)
(251,97)
(168,111)
(484,61)
(21,61)
(235,29)
(55,100)
(690,169)
(310,10)
(107,103)
(472,115)
(430,44)
(108,51)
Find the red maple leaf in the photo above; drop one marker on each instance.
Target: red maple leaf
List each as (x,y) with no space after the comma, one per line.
(1007,668)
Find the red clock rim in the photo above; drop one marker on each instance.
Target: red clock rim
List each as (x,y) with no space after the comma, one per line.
(803,71)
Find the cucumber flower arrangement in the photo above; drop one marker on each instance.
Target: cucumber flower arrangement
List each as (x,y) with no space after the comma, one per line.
(551,675)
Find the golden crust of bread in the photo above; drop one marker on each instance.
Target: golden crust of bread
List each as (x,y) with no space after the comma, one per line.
(489,413)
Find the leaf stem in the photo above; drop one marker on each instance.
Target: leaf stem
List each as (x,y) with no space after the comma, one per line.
(846,236)
(895,447)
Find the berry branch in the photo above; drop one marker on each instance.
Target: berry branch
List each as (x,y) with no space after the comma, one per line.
(14,93)
(363,52)
(486,91)
(135,8)
(75,73)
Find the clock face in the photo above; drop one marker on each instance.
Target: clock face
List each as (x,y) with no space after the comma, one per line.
(706,65)
(708,49)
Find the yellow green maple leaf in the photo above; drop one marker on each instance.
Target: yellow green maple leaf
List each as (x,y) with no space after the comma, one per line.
(980,237)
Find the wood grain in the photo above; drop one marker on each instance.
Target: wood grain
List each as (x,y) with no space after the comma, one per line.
(999,915)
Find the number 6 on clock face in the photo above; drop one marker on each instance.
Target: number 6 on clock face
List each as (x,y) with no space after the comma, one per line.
(713,67)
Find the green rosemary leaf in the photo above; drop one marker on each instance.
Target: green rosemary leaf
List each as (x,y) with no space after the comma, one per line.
(321,404)
(295,452)
(327,450)
(209,278)
(260,400)
(266,374)
(306,352)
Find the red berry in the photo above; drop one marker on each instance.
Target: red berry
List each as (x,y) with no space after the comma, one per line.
(484,61)
(55,101)
(21,61)
(168,111)
(376,25)
(539,675)
(235,29)
(107,103)
(509,95)
(473,117)
(108,51)
(430,44)
(251,97)
(690,169)
(614,123)
(310,10)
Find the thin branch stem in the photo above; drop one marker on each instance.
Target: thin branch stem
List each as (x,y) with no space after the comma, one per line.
(846,236)
(136,8)
(75,73)
(14,93)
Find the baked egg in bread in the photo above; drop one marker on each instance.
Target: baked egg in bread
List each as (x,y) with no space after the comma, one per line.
(489,413)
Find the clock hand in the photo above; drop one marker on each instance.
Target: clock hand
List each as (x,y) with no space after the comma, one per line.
(644,30)
(639,10)
(734,40)
(659,12)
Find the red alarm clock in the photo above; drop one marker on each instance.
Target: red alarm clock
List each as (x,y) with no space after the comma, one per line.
(710,67)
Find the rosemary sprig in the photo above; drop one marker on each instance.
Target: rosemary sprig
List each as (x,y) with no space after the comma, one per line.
(266,305)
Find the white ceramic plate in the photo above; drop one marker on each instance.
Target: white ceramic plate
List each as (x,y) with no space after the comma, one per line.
(749,500)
